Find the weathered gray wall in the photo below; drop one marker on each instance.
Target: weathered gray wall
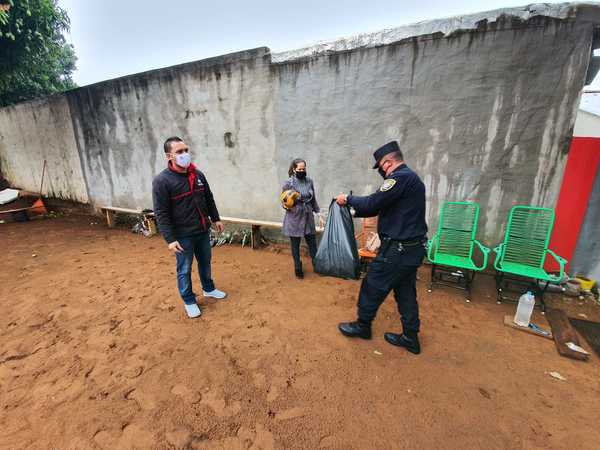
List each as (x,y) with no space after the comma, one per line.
(121,124)
(33,131)
(484,115)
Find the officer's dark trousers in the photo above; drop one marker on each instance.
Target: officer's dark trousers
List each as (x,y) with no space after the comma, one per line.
(311,241)
(392,269)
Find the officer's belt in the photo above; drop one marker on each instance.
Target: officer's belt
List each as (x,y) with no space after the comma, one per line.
(412,243)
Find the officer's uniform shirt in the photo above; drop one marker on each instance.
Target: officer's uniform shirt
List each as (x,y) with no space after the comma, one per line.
(400,204)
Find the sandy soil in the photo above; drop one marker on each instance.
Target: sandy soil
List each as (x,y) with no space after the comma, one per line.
(96,352)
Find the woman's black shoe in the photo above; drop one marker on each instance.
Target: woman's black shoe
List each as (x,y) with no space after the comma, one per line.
(299,274)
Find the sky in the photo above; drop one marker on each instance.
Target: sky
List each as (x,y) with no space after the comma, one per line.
(116,38)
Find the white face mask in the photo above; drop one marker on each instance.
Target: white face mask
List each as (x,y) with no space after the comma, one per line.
(183,160)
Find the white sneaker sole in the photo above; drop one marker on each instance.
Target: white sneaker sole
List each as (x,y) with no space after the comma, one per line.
(192,311)
(215,296)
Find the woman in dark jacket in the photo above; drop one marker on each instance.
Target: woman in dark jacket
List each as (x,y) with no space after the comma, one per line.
(299,221)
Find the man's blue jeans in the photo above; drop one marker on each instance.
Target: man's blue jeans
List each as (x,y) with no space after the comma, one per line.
(198,246)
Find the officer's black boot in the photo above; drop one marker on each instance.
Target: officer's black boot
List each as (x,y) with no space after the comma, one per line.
(408,340)
(356,329)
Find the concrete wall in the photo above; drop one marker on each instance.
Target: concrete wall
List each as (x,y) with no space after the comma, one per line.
(483,115)
(33,131)
(222,107)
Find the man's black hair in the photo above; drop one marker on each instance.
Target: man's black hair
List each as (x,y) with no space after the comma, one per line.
(167,145)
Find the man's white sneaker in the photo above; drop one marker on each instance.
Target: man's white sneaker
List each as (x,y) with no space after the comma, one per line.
(192,310)
(215,293)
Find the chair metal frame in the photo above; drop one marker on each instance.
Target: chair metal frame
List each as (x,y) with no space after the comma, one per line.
(521,256)
(451,249)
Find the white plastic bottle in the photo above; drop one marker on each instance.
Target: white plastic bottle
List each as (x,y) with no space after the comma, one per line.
(524,309)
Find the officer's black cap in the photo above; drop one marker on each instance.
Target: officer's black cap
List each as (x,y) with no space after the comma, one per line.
(390,147)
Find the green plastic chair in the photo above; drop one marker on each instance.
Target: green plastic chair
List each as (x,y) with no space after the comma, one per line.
(525,248)
(453,246)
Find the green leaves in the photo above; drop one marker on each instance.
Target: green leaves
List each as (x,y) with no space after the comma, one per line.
(35,59)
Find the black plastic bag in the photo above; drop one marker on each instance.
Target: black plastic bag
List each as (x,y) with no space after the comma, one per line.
(337,255)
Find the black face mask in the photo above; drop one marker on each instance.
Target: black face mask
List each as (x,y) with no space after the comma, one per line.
(301,175)
(381,172)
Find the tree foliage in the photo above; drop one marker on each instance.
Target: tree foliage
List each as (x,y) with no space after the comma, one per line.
(35,59)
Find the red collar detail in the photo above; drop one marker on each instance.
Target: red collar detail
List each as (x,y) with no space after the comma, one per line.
(191,168)
(191,174)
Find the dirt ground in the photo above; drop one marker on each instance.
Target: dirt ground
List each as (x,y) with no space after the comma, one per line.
(96,352)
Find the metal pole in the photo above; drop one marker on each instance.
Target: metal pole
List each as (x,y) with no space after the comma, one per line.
(43,173)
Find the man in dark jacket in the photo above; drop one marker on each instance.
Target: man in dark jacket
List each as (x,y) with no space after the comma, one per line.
(185,208)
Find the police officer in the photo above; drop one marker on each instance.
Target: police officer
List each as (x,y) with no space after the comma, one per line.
(400,205)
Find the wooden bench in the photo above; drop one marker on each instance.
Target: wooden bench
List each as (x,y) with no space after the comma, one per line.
(112,211)
(255,236)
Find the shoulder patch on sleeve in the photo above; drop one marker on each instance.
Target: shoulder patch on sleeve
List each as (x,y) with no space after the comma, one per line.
(387,185)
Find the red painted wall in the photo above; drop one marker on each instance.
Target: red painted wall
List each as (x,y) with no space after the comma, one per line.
(575,191)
